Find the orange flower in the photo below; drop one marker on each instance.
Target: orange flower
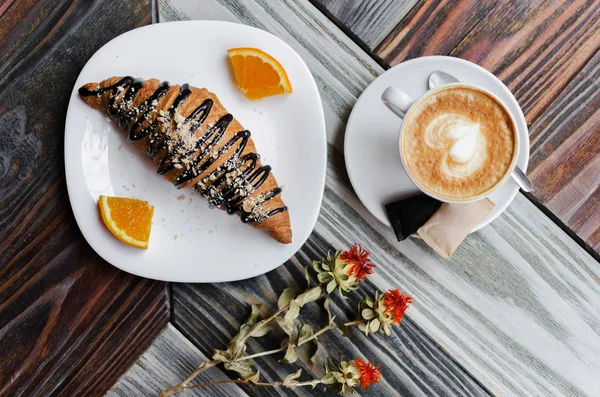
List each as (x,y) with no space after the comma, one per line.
(396,303)
(359,259)
(369,373)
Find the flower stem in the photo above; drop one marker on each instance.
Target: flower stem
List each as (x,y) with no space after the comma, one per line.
(263,322)
(301,341)
(183,385)
(313,383)
(261,354)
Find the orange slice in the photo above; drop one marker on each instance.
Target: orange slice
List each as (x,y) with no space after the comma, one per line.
(258,74)
(128,219)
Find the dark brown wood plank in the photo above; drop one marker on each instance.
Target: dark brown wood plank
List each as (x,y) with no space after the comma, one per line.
(412,364)
(368,21)
(70,324)
(432,28)
(565,155)
(534,47)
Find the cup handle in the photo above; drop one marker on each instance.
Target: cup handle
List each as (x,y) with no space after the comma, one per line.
(396,100)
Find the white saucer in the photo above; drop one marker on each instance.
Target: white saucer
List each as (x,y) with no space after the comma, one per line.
(189,241)
(371,142)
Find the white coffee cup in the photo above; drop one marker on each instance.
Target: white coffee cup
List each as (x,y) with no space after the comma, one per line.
(401,104)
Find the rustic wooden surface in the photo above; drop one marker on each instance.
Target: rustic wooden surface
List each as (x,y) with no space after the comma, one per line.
(565,156)
(518,306)
(516,312)
(536,48)
(70,324)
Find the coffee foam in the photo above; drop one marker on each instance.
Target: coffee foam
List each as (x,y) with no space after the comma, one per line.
(458,142)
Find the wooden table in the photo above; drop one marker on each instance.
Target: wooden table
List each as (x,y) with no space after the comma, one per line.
(515,312)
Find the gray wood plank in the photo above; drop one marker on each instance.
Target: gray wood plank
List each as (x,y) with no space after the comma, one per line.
(519,303)
(170,358)
(368,21)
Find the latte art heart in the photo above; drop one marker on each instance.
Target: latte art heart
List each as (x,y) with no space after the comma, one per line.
(462,141)
(458,143)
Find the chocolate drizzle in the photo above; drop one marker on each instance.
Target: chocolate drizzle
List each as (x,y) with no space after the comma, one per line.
(230,185)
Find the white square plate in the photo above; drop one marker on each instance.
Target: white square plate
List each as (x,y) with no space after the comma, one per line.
(191,242)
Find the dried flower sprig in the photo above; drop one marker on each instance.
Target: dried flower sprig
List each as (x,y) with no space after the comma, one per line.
(341,378)
(342,271)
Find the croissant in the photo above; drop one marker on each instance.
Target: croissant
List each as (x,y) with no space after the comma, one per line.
(194,142)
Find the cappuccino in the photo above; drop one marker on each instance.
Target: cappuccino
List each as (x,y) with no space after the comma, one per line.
(458,143)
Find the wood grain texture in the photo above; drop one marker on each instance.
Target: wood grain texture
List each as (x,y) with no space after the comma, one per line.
(519,303)
(412,365)
(70,323)
(163,364)
(368,21)
(534,47)
(565,156)
(432,28)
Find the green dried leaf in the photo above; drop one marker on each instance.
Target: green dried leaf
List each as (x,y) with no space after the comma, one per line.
(293,338)
(236,350)
(344,329)
(326,304)
(263,330)
(374,325)
(244,368)
(309,296)
(290,380)
(293,311)
(317,266)
(329,379)
(285,324)
(367,314)
(290,354)
(307,276)
(286,297)
(250,321)
(256,377)
(331,286)
(306,331)
(326,267)
(254,312)
(364,327)
(324,277)
(221,356)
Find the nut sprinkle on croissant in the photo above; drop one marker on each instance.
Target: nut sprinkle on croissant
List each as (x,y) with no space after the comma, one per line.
(194,142)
